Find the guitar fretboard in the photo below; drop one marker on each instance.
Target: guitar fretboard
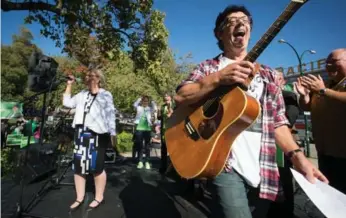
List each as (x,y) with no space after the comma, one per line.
(273,30)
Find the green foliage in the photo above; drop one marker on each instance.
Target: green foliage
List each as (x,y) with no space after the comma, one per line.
(127,85)
(14,66)
(117,25)
(150,50)
(124,79)
(7,161)
(124,141)
(66,66)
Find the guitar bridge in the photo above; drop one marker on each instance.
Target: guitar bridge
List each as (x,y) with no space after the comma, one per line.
(191,130)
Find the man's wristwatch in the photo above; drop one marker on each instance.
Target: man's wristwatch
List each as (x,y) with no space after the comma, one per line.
(291,153)
(322,92)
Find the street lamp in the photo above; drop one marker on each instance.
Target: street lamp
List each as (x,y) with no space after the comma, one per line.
(300,58)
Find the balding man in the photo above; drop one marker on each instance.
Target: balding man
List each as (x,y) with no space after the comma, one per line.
(327,104)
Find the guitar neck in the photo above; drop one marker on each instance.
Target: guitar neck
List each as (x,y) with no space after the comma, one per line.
(274,29)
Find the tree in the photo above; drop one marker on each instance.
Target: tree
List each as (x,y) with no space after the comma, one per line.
(14,66)
(127,85)
(88,53)
(66,67)
(116,24)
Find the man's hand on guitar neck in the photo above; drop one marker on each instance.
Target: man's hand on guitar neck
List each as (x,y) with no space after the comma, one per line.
(236,73)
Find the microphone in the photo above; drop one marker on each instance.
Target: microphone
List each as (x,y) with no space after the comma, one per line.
(76,79)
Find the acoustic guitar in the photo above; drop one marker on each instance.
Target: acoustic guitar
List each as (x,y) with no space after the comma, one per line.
(199,137)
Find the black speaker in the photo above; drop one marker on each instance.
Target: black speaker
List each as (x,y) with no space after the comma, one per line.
(42,72)
(41,163)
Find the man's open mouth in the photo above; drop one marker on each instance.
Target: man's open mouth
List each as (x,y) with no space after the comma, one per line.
(239,33)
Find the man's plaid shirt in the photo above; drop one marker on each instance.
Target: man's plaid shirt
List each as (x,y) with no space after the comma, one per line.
(273,116)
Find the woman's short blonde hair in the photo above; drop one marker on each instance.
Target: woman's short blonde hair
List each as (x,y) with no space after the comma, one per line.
(98,71)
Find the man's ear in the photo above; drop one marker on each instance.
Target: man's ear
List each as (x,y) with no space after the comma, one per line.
(219,35)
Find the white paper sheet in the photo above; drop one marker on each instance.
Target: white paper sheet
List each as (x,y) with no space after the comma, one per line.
(331,202)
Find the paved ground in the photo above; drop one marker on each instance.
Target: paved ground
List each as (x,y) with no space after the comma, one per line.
(130,193)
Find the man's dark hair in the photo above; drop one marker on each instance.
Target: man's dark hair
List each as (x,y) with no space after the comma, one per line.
(222,16)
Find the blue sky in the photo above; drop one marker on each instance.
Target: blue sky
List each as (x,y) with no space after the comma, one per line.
(318,25)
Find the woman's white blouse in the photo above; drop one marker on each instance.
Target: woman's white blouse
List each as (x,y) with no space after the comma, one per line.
(101,117)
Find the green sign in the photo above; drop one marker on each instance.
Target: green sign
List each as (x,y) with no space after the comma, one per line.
(18,140)
(289,87)
(11,110)
(280,157)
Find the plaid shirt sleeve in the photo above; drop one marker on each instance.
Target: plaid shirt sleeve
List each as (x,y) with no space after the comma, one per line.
(280,118)
(197,74)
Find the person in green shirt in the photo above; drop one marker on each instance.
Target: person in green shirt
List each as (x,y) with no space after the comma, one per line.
(164,113)
(144,122)
(35,127)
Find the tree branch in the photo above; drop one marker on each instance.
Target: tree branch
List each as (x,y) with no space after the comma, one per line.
(30,6)
(127,35)
(41,6)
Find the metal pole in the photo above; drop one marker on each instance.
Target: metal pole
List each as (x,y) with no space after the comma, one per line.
(307,138)
(307,133)
(43,114)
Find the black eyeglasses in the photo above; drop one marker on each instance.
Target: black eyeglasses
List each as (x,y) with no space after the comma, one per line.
(92,75)
(332,66)
(232,21)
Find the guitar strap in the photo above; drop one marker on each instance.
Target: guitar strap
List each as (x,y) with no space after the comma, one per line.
(338,84)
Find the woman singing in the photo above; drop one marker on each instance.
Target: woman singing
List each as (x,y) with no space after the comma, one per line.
(94,124)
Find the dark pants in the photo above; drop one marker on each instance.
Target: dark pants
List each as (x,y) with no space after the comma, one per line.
(141,136)
(333,168)
(163,166)
(284,209)
(233,198)
(134,147)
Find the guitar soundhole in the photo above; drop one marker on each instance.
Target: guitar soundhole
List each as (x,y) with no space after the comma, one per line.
(208,127)
(210,108)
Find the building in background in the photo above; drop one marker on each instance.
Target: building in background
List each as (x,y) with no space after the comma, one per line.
(315,67)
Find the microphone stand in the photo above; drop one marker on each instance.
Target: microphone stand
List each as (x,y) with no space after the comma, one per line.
(22,211)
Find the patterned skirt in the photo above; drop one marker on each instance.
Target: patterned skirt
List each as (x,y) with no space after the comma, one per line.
(89,151)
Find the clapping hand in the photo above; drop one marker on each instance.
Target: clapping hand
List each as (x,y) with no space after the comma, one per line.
(313,83)
(302,90)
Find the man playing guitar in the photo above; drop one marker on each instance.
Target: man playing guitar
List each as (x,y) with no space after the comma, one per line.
(251,165)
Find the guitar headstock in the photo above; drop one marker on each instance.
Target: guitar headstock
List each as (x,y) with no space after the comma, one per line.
(300,1)
(274,29)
